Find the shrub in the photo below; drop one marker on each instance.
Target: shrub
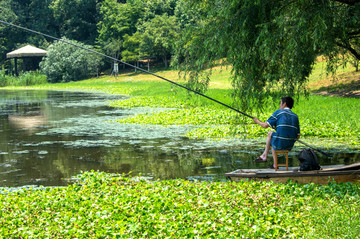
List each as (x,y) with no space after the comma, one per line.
(25,79)
(2,78)
(65,62)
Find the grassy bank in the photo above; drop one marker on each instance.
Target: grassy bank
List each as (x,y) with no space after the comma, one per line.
(103,206)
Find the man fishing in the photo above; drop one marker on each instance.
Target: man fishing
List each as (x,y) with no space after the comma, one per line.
(286,124)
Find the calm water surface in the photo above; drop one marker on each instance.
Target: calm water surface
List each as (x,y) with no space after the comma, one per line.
(49,136)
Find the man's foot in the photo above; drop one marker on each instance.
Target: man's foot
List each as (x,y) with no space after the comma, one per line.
(260,160)
(272,166)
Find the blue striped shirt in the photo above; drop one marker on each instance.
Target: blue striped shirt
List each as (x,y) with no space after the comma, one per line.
(286,124)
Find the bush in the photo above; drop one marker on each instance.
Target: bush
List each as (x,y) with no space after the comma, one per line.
(3,78)
(25,79)
(65,62)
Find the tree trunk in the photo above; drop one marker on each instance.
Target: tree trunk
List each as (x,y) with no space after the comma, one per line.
(165,61)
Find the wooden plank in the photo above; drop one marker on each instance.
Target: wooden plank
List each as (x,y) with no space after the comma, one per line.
(354,166)
(354,178)
(339,173)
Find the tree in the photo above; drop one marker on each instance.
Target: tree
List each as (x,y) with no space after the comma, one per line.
(132,48)
(76,19)
(134,23)
(35,15)
(154,8)
(158,37)
(7,35)
(271,44)
(113,48)
(117,25)
(117,20)
(66,62)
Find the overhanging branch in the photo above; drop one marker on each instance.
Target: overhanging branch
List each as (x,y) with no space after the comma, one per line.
(350,49)
(348,2)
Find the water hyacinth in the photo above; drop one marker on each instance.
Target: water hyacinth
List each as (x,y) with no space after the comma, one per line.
(191,116)
(108,206)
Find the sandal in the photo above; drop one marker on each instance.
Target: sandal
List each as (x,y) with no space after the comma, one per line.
(260,160)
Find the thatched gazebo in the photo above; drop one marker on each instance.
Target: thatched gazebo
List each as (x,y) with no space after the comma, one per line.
(31,55)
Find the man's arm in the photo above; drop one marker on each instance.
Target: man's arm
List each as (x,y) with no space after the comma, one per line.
(262,124)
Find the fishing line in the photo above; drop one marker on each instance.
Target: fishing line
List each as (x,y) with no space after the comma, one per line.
(140,69)
(114,59)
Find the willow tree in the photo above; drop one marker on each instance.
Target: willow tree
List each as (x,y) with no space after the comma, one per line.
(271,45)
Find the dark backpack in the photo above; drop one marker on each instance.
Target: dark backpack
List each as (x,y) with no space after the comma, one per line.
(308,160)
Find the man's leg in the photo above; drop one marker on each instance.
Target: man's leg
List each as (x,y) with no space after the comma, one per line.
(273,154)
(267,147)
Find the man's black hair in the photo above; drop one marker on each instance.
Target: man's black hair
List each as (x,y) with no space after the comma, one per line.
(289,101)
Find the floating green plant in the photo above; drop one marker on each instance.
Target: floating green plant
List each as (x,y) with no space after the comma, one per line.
(102,205)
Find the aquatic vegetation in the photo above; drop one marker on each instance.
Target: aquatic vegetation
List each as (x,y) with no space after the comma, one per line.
(226,123)
(227,131)
(187,116)
(106,205)
(320,116)
(146,101)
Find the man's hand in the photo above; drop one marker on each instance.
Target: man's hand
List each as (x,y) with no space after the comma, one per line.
(262,124)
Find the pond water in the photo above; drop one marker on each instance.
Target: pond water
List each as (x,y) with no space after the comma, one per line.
(49,136)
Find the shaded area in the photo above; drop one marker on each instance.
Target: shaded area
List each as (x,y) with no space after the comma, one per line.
(344,85)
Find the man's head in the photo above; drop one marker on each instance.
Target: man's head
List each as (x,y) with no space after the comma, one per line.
(288,101)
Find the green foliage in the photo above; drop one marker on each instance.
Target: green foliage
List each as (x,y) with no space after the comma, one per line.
(272,45)
(33,14)
(144,28)
(158,37)
(104,205)
(76,19)
(8,36)
(132,48)
(25,79)
(117,20)
(65,62)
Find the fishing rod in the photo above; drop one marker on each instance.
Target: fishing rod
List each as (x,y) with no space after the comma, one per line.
(326,154)
(143,70)
(133,66)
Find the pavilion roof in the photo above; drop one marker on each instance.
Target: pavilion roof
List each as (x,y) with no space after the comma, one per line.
(26,51)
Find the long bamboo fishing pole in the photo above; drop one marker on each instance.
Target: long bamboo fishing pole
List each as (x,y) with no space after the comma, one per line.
(140,69)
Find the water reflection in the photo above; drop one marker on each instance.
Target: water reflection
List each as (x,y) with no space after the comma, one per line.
(27,123)
(49,136)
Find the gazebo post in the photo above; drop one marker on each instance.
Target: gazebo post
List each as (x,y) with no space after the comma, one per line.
(16,70)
